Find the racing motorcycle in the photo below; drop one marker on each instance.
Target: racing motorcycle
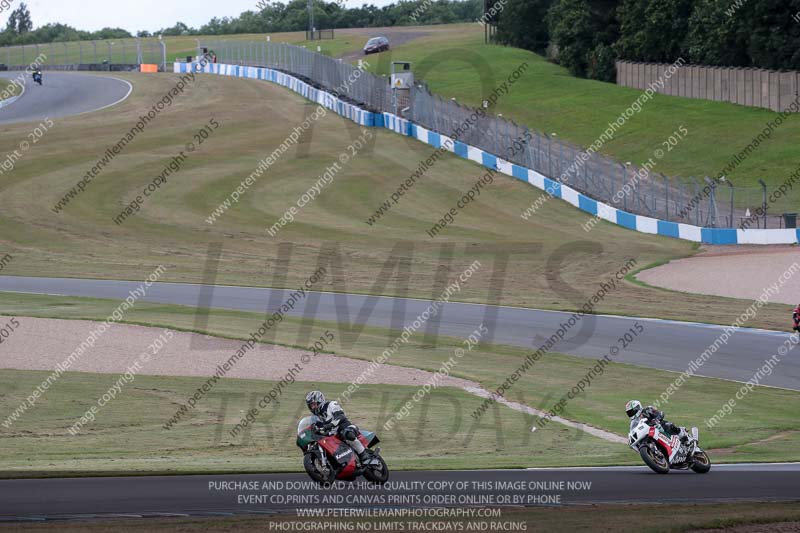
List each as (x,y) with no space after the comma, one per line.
(662,451)
(327,458)
(37,77)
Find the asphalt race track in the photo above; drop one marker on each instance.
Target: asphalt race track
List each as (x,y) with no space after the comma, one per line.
(208,495)
(665,345)
(62,95)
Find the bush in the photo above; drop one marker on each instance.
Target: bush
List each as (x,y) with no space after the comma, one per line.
(603,63)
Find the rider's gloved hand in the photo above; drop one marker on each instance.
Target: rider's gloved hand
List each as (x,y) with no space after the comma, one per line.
(322,427)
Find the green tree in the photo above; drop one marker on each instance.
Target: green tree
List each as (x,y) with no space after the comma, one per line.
(602,63)
(19,21)
(654,31)
(717,38)
(11,25)
(24,21)
(570,23)
(523,24)
(578,28)
(774,34)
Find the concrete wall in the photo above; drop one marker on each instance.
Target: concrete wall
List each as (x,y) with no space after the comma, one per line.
(750,87)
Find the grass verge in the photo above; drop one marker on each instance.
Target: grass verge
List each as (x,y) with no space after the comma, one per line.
(9,90)
(128,436)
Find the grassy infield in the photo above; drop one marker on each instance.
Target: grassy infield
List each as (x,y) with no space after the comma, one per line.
(171,230)
(8,90)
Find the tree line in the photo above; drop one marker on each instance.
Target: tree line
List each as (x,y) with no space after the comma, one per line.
(19,30)
(271,17)
(588,36)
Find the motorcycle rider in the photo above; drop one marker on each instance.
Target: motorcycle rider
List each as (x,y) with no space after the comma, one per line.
(796,318)
(37,73)
(332,417)
(634,410)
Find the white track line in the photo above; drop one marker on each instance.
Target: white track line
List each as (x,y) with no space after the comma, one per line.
(7,102)
(130,90)
(600,433)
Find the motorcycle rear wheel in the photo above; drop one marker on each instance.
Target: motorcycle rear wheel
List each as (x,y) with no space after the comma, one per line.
(378,474)
(702,463)
(659,465)
(310,464)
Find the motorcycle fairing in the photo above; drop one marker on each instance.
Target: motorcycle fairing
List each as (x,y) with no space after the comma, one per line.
(340,453)
(368,438)
(671,445)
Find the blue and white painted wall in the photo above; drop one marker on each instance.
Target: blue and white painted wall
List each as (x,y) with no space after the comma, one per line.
(402,126)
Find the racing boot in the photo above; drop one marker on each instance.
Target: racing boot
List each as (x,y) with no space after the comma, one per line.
(367,458)
(364,454)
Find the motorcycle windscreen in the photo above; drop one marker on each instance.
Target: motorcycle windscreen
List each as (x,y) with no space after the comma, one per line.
(305,431)
(306,422)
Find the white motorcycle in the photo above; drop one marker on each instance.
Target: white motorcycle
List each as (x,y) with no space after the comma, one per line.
(660,451)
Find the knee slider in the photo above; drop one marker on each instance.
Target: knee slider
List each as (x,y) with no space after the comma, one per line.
(351,433)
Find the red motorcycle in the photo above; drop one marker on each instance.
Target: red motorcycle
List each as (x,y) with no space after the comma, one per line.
(327,458)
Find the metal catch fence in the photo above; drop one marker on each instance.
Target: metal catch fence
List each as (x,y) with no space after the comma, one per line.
(635,189)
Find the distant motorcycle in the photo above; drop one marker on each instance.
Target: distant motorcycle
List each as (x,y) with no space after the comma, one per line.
(661,452)
(327,458)
(37,77)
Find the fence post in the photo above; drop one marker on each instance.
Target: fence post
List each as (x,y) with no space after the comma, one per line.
(585,170)
(624,182)
(712,207)
(731,224)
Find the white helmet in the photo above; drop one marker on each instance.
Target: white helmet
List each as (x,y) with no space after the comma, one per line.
(632,408)
(314,400)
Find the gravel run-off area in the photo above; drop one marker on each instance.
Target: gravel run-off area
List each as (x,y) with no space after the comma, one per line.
(41,344)
(734,271)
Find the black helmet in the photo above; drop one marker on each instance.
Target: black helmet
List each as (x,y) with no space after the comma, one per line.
(315,400)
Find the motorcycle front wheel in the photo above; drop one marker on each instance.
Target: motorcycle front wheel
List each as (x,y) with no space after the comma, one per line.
(654,458)
(702,463)
(312,466)
(377,473)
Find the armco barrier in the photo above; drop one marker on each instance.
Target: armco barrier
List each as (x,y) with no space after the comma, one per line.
(402,126)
